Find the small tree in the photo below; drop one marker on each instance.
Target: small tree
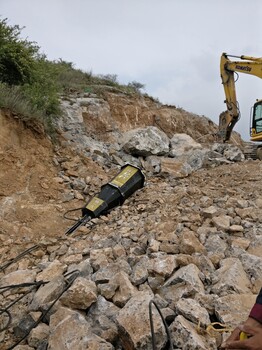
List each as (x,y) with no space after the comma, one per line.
(109,79)
(136,85)
(17,56)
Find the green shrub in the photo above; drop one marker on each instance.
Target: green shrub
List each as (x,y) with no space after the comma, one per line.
(17,56)
(18,99)
(28,80)
(13,98)
(68,78)
(43,92)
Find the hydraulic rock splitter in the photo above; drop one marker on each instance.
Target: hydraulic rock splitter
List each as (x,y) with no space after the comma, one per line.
(111,195)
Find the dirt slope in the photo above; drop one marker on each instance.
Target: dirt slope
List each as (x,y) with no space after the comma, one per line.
(35,193)
(30,189)
(32,193)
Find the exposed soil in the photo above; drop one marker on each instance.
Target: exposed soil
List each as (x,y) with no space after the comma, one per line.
(31,192)
(32,195)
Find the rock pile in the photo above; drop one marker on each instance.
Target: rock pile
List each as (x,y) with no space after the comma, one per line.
(190,240)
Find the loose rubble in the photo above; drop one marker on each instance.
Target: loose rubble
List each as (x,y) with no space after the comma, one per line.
(190,239)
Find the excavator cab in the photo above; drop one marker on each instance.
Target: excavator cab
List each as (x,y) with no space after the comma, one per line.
(256,122)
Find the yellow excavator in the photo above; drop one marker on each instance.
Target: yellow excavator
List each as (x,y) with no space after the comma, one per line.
(228,119)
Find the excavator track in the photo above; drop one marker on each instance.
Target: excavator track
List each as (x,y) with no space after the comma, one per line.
(251,151)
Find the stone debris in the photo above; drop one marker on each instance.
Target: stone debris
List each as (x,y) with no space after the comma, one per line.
(81,295)
(190,239)
(134,326)
(185,336)
(193,311)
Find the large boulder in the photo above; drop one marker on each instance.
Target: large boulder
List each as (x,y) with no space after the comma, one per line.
(146,141)
(230,152)
(182,144)
(184,164)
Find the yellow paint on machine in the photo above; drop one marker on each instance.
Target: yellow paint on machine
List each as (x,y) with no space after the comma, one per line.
(94,204)
(124,176)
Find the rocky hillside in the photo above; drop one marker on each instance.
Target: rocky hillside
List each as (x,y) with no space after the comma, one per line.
(190,239)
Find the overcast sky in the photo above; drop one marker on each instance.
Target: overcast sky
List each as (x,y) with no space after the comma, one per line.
(171,46)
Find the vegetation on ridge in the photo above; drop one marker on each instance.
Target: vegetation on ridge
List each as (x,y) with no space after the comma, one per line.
(31,85)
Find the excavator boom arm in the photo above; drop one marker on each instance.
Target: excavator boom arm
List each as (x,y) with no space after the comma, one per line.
(249,65)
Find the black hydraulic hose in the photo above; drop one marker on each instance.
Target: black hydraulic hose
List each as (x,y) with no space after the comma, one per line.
(5,326)
(6,309)
(70,211)
(152,326)
(69,284)
(18,257)
(83,221)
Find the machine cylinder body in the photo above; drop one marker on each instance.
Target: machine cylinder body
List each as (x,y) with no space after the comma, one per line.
(115,192)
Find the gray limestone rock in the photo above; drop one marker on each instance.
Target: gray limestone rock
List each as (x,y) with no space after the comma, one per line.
(188,274)
(18,277)
(146,141)
(80,295)
(134,327)
(230,278)
(182,144)
(193,311)
(47,293)
(234,308)
(71,331)
(184,335)
(253,266)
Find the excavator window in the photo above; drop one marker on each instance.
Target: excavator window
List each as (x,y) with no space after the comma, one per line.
(257,117)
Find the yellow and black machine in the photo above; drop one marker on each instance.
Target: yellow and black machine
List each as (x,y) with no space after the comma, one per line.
(228,119)
(111,195)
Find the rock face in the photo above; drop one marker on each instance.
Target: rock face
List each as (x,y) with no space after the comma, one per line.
(190,239)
